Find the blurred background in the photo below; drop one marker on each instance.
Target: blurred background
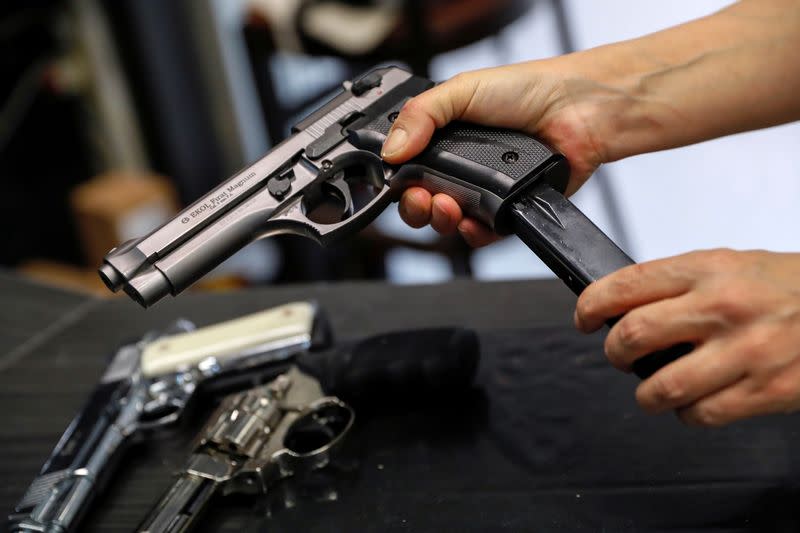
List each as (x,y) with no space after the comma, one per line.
(115,114)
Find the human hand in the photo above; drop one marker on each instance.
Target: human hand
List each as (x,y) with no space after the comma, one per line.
(741,310)
(542,98)
(614,101)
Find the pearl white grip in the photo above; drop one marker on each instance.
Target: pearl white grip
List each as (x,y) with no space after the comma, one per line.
(271,329)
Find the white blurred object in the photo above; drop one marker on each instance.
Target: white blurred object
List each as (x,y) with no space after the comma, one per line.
(348,28)
(508,258)
(411,266)
(390,223)
(281,15)
(258,262)
(366,26)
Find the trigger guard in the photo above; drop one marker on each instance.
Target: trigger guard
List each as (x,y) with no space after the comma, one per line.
(172,411)
(328,417)
(293,220)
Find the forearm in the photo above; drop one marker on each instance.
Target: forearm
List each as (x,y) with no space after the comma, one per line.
(732,71)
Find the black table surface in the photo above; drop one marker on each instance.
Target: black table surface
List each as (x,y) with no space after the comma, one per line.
(550,438)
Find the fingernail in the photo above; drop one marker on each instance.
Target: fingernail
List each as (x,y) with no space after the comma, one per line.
(395,142)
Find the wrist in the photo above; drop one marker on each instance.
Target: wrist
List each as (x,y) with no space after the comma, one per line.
(722,74)
(621,107)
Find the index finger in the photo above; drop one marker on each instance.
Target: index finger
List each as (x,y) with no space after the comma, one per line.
(633,286)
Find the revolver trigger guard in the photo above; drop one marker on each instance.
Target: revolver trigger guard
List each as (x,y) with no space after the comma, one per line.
(316,433)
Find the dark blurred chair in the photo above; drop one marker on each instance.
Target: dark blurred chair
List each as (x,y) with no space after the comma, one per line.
(413,32)
(422,29)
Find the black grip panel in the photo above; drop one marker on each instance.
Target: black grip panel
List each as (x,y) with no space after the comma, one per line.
(488,167)
(512,154)
(394,364)
(481,167)
(578,252)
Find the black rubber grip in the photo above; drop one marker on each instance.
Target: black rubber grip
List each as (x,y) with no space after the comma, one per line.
(419,361)
(509,155)
(480,167)
(508,152)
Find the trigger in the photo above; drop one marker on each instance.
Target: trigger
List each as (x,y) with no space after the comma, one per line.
(342,186)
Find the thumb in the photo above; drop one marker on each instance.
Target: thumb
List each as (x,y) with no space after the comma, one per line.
(420,116)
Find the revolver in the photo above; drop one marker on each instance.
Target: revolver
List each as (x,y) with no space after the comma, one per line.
(327,181)
(294,424)
(148,384)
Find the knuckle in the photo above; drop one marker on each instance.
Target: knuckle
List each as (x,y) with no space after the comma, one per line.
(755,343)
(720,255)
(613,354)
(719,259)
(783,392)
(709,415)
(586,305)
(411,108)
(632,331)
(439,103)
(463,83)
(471,240)
(462,78)
(412,104)
(729,301)
(415,221)
(667,389)
(628,279)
